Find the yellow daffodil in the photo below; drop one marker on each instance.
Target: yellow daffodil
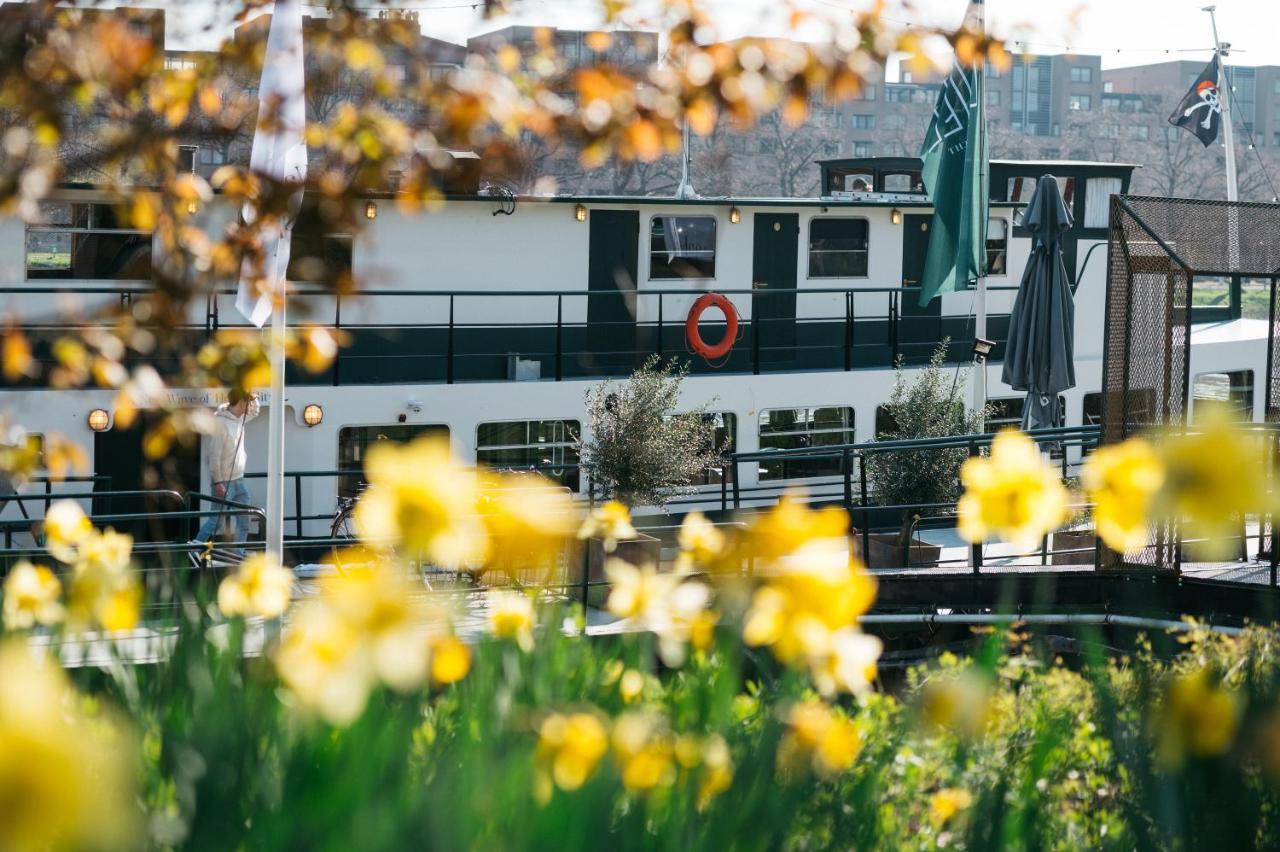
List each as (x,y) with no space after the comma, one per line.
(105,591)
(1214,475)
(528,522)
(324,664)
(631,685)
(421,501)
(805,599)
(717,770)
(450,660)
(1122,482)
(65,528)
(1200,716)
(376,601)
(792,526)
(947,802)
(260,587)
(849,664)
(570,748)
(640,593)
(666,604)
(610,523)
(957,701)
(511,616)
(66,780)
(108,550)
(644,751)
(32,596)
(1013,494)
(819,738)
(701,543)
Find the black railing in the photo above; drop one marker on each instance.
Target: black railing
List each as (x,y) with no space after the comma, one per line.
(568,334)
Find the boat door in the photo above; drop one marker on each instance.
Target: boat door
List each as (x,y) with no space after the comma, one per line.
(117,453)
(612,260)
(773,280)
(920,328)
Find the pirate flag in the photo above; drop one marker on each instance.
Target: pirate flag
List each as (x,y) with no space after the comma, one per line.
(1200,112)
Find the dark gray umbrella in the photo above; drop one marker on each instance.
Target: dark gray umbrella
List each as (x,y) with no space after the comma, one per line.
(1039,357)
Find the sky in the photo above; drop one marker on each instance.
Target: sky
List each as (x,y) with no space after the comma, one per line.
(1123,32)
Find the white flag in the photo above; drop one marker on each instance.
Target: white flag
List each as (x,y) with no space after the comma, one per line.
(279,152)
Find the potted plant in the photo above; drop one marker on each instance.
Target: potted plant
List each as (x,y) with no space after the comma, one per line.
(926,404)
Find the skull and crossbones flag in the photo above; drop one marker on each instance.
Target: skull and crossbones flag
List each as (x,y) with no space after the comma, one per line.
(1200,112)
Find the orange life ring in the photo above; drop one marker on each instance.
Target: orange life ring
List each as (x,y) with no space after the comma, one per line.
(694,337)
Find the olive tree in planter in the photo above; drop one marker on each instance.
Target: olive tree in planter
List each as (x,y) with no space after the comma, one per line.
(929,404)
(639,450)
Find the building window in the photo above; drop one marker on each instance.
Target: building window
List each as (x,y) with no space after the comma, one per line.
(838,248)
(211,157)
(547,446)
(1234,390)
(1139,132)
(768,146)
(1109,131)
(682,247)
(319,252)
(862,149)
(863,122)
(867,93)
(1097,201)
(354,443)
(86,241)
(187,156)
(897,94)
(725,442)
(796,428)
(1081,75)
(993,97)
(997,246)
(1079,103)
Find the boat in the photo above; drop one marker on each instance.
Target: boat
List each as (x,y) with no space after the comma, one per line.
(487,321)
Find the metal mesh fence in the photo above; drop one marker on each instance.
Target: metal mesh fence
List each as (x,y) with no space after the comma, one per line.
(1157,247)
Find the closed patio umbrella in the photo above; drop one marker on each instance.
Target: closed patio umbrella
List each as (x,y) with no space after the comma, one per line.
(1040,355)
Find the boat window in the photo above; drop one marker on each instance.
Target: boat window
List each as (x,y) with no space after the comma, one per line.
(1092,415)
(903,182)
(86,241)
(1006,413)
(1022,188)
(857,181)
(682,247)
(838,248)
(320,250)
(1234,390)
(726,441)
(1097,200)
(795,428)
(354,443)
(546,446)
(1211,298)
(997,246)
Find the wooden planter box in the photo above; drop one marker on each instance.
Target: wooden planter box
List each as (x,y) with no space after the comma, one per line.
(883,552)
(1083,541)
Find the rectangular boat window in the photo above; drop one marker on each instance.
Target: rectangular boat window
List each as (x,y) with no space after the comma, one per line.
(320,249)
(795,428)
(1234,390)
(682,247)
(997,246)
(354,443)
(903,182)
(1022,188)
(547,446)
(838,248)
(1007,413)
(1097,200)
(726,440)
(86,241)
(1092,415)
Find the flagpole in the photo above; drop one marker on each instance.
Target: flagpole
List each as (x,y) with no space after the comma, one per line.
(275,431)
(1226,96)
(980,297)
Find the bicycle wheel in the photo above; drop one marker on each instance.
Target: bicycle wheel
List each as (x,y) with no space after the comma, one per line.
(344,524)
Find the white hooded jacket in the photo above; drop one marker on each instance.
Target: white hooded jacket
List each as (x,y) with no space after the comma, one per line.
(227,454)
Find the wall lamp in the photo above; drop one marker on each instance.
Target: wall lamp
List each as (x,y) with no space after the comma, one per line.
(312,415)
(371,210)
(895,216)
(981,349)
(735,215)
(99,420)
(580,212)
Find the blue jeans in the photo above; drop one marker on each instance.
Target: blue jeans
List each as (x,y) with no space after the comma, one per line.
(237,492)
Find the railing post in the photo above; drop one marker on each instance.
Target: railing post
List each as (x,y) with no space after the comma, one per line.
(297,503)
(755,339)
(848,331)
(660,342)
(846,467)
(724,489)
(893,328)
(448,370)
(337,325)
(862,490)
(560,342)
(737,490)
(975,550)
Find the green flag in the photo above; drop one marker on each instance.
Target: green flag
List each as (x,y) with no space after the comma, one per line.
(955,176)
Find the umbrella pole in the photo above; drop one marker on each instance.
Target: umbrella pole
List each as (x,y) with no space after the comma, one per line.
(980,363)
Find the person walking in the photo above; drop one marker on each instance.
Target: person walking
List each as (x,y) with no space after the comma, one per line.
(226,468)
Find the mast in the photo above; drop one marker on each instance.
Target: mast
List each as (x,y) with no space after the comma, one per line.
(1226,96)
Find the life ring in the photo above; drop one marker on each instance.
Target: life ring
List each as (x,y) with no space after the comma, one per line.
(694,337)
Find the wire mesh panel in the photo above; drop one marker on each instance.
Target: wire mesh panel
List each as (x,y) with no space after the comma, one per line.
(1156,248)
